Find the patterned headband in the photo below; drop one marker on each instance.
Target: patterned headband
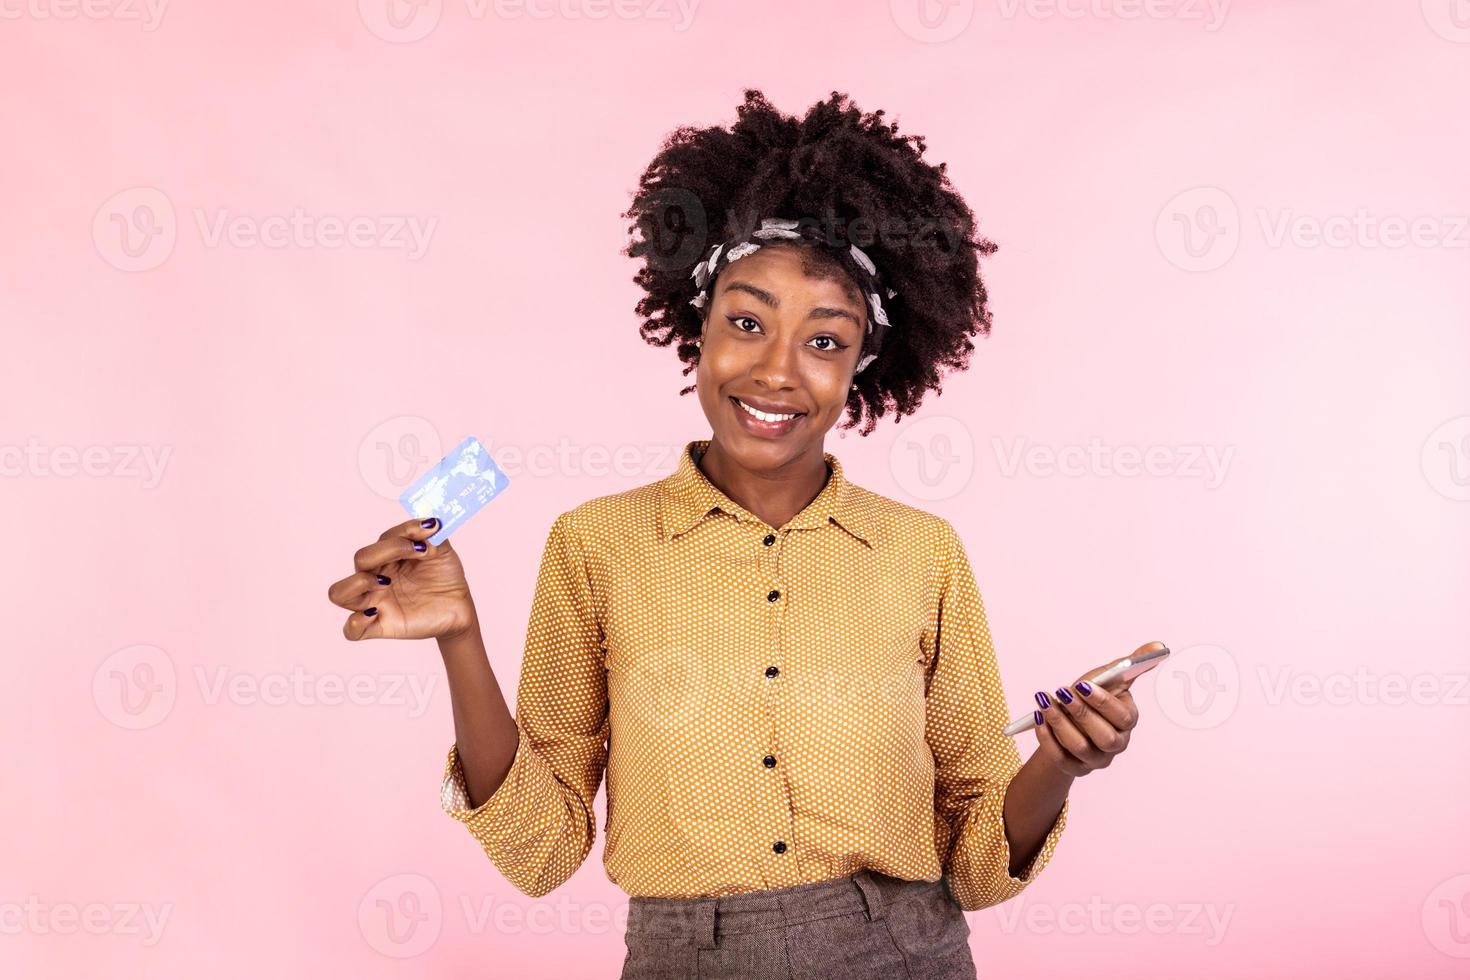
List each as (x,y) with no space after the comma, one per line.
(788,228)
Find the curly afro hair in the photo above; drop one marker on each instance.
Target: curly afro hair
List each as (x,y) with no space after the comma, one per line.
(864,184)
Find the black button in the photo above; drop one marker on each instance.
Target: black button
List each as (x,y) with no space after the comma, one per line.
(779,847)
(773,595)
(769,760)
(770,539)
(772,671)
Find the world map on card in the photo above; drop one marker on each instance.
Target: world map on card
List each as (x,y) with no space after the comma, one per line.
(456,488)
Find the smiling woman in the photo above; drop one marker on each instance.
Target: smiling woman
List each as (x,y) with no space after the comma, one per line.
(862,208)
(787,680)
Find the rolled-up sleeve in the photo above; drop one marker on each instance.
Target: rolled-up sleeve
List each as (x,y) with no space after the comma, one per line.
(538,826)
(974,760)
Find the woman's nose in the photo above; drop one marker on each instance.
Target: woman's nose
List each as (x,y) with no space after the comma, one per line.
(776,362)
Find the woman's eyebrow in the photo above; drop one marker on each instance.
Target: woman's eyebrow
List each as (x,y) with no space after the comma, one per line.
(755,291)
(817,312)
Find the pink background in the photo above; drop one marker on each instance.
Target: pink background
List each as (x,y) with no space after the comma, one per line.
(178,741)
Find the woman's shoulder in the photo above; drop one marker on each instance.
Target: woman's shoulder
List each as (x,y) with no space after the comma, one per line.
(607,519)
(612,522)
(898,520)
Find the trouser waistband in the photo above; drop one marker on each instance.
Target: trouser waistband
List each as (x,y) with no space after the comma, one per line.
(703,920)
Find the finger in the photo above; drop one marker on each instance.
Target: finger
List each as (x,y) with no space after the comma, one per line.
(414,529)
(1098,729)
(1059,756)
(1118,709)
(1147,648)
(404,542)
(362,626)
(350,591)
(1069,735)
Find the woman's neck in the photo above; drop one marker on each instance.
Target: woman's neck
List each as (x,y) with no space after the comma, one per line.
(773,496)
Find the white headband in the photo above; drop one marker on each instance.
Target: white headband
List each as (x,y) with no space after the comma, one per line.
(789,228)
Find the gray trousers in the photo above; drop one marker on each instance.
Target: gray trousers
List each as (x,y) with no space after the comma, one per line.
(866,926)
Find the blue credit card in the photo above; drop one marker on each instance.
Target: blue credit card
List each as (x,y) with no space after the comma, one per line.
(456,488)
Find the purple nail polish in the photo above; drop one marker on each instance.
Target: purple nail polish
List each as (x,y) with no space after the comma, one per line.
(430,522)
(1039,719)
(1042,700)
(383,580)
(420,546)
(1083,688)
(370,611)
(1063,696)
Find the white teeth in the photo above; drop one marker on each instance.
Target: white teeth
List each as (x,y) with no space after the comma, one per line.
(766,416)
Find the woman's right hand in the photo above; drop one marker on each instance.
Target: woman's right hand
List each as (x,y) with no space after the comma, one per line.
(400,592)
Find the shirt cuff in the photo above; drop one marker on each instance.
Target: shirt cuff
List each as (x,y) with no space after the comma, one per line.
(1043,854)
(454,795)
(979,864)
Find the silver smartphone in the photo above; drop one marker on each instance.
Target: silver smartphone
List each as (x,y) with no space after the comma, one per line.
(1113,678)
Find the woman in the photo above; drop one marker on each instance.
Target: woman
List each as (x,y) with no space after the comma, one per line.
(787,679)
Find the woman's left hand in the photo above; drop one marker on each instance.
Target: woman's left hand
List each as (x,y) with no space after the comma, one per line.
(1083,727)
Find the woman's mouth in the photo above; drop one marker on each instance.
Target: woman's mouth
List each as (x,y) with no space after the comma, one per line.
(764,423)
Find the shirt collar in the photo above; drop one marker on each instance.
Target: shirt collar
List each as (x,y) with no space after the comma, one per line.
(689,497)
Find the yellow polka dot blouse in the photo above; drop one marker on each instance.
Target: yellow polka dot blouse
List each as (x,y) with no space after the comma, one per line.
(771,706)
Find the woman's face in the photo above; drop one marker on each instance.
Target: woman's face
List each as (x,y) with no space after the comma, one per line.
(782,336)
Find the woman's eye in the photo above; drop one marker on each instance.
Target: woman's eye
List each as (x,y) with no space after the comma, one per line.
(826,342)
